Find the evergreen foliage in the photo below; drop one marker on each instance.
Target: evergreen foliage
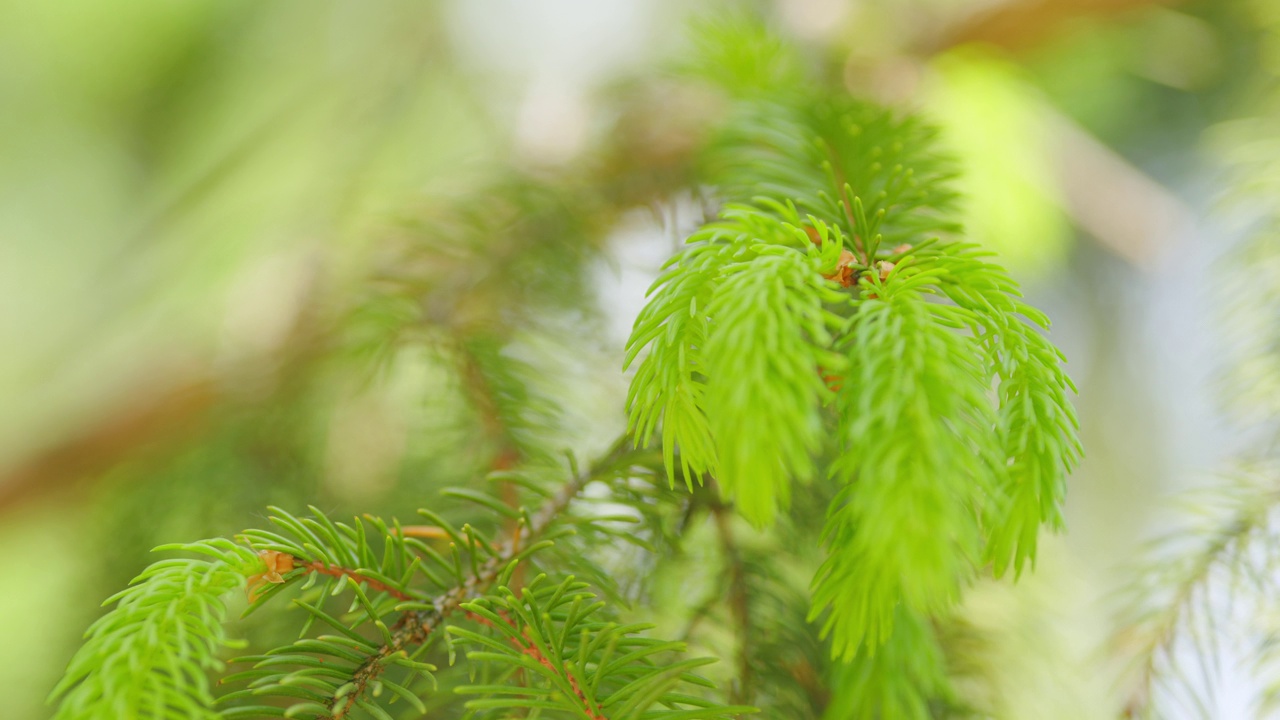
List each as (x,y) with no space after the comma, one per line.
(921,460)
(824,277)
(589,669)
(1213,575)
(150,656)
(826,342)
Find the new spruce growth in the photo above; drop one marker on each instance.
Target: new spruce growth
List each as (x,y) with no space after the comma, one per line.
(830,309)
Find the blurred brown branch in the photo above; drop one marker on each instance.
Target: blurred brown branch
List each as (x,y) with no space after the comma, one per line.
(1123,208)
(1021,26)
(149,418)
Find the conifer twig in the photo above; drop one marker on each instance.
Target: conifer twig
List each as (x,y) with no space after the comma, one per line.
(480,389)
(1157,634)
(507,453)
(339,572)
(529,648)
(739,605)
(416,626)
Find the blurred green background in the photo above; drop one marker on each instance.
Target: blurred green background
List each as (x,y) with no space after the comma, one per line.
(195,194)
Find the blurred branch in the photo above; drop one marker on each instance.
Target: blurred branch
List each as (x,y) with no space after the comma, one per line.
(148,419)
(1167,594)
(1119,205)
(163,412)
(1022,26)
(481,393)
(739,603)
(506,453)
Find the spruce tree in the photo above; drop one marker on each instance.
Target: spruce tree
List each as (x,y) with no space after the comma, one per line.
(840,412)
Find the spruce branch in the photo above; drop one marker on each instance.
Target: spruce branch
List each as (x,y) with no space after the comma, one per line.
(916,439)
(772,331)
(831,300)
(278,563)
(416,626)
(577,663)
(521,640)
(1193,575)
(905,678)
(1037,422)
(148,657)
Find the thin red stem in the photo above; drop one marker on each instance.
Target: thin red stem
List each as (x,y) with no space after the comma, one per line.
(338,571)
(527,647)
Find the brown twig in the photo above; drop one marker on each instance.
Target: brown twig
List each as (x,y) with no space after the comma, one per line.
(416,626)
(278,563)
(158,419)
(485,402)
(430,532)
(527,647)
(338,571)
(739,602)
(1024,26)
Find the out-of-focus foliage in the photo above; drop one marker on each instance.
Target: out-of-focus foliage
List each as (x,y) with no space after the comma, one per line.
(997,125)
(1204,577)
(1214,578)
